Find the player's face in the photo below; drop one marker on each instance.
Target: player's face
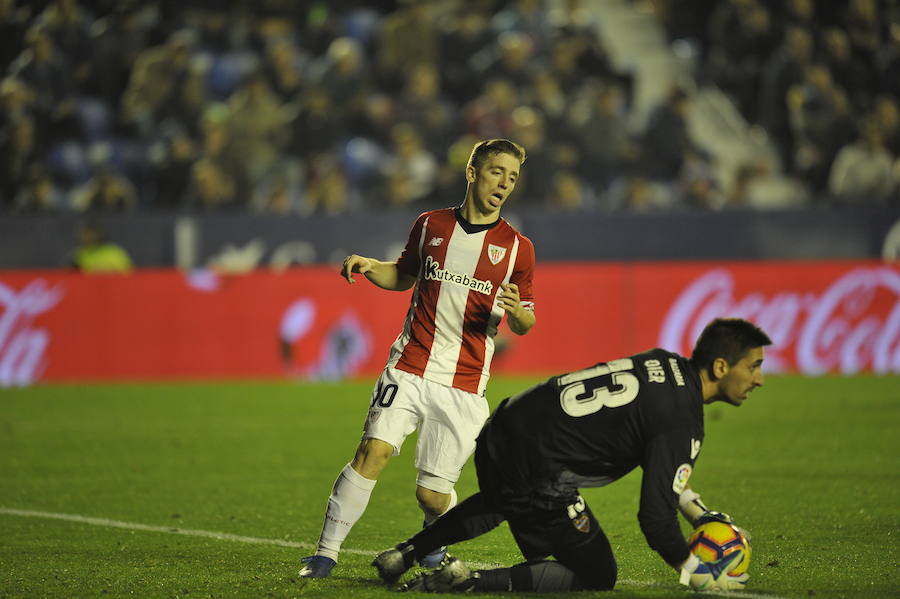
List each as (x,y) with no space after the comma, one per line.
(743,377)
(493,182)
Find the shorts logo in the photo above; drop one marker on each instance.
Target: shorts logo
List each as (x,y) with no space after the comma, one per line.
(434,272)
(436,241)
(372,417)
(682,474)
(495,253)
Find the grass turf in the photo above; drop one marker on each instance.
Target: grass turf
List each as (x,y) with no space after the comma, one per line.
(809,465)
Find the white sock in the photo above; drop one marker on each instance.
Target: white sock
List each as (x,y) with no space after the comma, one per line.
(430,518)
(346,504)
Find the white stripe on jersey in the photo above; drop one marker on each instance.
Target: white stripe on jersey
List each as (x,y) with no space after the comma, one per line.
(494,321)
(463,252)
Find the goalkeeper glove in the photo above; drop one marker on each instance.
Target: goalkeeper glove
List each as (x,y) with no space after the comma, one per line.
(709,576)
(712,516)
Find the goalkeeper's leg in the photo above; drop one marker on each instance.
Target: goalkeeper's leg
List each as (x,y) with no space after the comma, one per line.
(471,518)
(589,566)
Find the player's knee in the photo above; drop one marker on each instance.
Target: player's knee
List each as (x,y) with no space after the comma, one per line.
(371,457)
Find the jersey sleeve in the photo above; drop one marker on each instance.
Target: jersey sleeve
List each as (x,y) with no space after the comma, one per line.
(667,466)
(410,260)
(523,273)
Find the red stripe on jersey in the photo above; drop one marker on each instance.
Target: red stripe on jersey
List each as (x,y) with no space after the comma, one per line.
(438,225)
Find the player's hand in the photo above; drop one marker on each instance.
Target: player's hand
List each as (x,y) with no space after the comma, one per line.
(712,516)
(354,263)
(709,576)
(509,299)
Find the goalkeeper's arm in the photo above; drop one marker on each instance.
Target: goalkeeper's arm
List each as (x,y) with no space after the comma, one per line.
(690,506)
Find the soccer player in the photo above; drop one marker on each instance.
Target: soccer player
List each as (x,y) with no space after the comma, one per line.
(587,429)
(470,268)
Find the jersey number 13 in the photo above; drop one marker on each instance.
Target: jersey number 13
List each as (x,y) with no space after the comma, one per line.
(604,385)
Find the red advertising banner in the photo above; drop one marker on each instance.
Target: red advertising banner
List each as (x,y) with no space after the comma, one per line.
(840,317)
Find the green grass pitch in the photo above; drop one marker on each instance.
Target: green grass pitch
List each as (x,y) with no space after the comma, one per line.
(95,482)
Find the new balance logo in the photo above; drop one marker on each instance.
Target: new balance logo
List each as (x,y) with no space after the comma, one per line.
(434,272)
(436,241)
(695,448)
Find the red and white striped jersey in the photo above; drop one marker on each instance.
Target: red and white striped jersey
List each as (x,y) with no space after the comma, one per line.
(448,336)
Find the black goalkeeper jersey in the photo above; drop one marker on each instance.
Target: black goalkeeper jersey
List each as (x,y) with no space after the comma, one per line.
(591,427)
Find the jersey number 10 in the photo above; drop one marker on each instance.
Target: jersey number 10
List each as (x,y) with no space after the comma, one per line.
(604,385)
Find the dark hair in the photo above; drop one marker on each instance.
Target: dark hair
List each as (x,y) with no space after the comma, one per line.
(729,338)
(489,147)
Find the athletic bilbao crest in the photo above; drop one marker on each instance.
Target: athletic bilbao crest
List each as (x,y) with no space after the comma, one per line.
(496,253)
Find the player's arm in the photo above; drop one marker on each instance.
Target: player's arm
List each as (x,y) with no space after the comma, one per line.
(519,315)
(666,466)
(383,274)
(517,297)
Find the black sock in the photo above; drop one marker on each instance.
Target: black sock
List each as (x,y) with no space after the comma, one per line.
(494,580)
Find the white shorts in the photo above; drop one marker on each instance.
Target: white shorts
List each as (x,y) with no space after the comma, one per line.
(448,420)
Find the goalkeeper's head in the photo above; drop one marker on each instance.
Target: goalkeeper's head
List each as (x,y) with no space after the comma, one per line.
(729,357)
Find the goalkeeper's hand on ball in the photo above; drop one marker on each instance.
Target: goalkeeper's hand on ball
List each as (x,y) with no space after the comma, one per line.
(713,516)
(709,576)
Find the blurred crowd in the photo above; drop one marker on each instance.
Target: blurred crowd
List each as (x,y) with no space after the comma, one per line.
(821,79)
(325,107)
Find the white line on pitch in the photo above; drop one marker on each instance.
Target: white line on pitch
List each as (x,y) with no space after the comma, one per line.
(224,536)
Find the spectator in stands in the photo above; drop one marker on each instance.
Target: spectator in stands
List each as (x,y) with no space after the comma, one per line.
(166,84)
(665,141)
(95,253)
(316,128)
(19,151)
(106,191)
(887,111)
(599,124)
(345,73)
(38,194)
(511,58)
(48,74)
(821,123)
(257,120)
(212,187)
(13,24)
(742,35)
(284,69)
(465,34)
(785,68)
(490,114)
(862,171)
(422,105)
(410,170)
(408,37)
(567,193)
(849,72)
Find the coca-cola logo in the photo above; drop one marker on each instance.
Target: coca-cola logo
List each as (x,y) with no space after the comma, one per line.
(22,345)
(853,325)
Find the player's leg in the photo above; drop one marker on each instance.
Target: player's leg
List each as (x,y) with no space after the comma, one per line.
(388,423)
(572,535)
(433,504)
(470,518)
(451,421)
(473,517)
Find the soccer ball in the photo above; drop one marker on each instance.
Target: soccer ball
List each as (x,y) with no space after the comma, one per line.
(714,540)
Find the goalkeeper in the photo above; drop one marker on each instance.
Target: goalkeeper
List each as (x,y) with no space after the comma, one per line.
(587,429)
